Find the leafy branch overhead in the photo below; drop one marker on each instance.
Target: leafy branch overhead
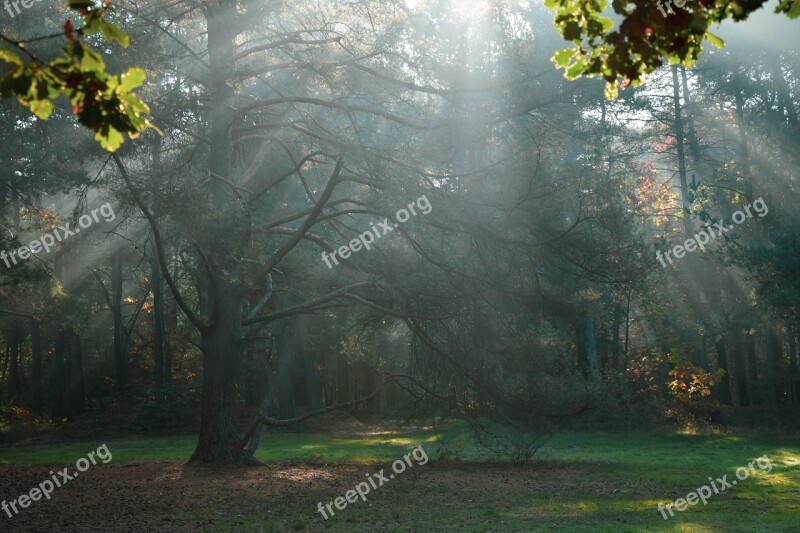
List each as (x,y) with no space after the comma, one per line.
(624,55)
(101,101)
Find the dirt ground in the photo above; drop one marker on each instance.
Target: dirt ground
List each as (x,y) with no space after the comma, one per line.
(169,496)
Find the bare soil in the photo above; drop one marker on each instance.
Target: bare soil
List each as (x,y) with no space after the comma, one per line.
(170,496)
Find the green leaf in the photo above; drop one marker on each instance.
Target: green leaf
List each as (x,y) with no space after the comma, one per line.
(713,39)
(92,62)
(111,141)
(606,22)
(133,78)
(611,91)
(10,57)
(563,57)
(135,104)
(576,70)
(112,32)
(42,108)
(790,7)
(571,31)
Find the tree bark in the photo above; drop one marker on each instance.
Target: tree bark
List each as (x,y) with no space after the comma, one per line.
(14,381)
(218,441)
(119,327)
(679,145)
(313,382)
(722,362)
(283,337)
(158,321)
(77,388)
(591,349)
(36,370)
(754,388)
(774,356)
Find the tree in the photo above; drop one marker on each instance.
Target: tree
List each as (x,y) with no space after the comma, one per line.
(644,37)
(103,102)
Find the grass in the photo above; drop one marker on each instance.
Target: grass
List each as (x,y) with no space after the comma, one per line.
(660,467)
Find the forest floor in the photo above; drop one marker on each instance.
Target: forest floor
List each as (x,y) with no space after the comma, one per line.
(584,481)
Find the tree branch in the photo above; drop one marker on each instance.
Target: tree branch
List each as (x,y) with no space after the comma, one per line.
(196,321)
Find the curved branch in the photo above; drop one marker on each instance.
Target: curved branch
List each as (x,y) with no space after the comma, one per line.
(311,220)
(196,321)
(342,107)
(306,307)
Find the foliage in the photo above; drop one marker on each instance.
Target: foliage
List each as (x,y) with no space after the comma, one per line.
(103,102)
(691,383)
(644,37)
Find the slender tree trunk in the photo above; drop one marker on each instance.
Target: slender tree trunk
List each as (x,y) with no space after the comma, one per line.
(14,379)
(36,371)
(722,362)
(754,387)
(774,357)
(119,327)
(591,349)
(679,145)
(283,337)
(744,151)
(58,381)
(343,390)
(794,368)
(742,379)
(616,325)
(313,382)
(170,329)
(158,320)
(694,145)
(66,392)
(77,388)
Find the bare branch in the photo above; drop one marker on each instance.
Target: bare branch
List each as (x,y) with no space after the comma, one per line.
(196,321)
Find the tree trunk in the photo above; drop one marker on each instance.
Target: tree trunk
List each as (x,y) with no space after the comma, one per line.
(616,325)
(36,370)
(722,362)
(794,369)
(59,382)
(344,392)
(283,337)
(313,382)
(751,360)
(694,146)
(218,441)
(158,321)
(14,381)
(77,389)
(679,145)
(119,328)
(170,329)
(591,349)
(742,385)
(774,356)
